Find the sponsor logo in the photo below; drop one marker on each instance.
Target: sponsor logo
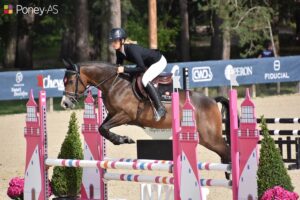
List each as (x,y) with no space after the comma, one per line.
(49,83)
(19,77)
(277,74)
(8,9)
(202,74)
(238,71)
(19,92)
(276,65)
(17,88)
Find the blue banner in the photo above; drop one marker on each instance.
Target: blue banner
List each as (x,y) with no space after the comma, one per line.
(247,71)
(16,85)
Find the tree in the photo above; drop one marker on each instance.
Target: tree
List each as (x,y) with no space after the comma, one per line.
(185,32)
(25,43)
(65,20)
(67,181)
(249,21)
(271,170)
(99,17)
(114,22)
(152,13)
(67,46)
(216,38)
(82,50)
(9,59)
(168,26)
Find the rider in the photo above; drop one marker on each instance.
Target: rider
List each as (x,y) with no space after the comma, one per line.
(268,51)
(148,61)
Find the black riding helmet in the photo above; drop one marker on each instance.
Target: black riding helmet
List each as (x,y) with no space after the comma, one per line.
(117,34)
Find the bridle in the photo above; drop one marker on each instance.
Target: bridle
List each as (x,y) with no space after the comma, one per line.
(74,96)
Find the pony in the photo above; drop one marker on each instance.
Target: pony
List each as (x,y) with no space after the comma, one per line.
(124,107)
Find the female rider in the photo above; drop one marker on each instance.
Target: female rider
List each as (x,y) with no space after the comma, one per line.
(148,61)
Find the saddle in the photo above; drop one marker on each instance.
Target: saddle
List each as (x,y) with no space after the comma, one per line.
(163,83)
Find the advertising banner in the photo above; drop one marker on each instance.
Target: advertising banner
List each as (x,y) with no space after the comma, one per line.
(16,85)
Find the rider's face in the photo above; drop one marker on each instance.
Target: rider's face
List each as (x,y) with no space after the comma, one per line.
(116,44)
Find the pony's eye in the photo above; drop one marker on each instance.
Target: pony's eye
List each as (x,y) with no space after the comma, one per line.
(70,82)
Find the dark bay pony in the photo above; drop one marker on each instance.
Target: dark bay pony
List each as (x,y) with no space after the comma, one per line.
(125,108)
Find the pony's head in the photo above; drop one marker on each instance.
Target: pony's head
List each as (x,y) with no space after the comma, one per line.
(74,85)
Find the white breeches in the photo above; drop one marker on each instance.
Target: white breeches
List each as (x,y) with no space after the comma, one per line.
(154,70)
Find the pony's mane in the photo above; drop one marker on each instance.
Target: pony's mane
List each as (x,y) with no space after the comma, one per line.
(97,63)
(106,65)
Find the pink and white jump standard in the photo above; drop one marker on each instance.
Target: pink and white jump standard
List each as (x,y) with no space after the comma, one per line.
(185,168)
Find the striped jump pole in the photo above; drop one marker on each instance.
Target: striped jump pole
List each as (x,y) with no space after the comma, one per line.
(284,132)
(162,179)
(216,182)
(109,164)
(279,132)
(214,166)
(139,160)
(201,165)
(139,178)
(281,120)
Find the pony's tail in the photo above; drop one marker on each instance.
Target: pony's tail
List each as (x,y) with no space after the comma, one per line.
(225,115)
(129,41)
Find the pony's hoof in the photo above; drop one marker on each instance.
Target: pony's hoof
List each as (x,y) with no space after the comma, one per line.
(227,175)
(128,140)
(123,140)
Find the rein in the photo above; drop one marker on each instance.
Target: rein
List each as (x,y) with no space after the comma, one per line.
(75,95)
(107,80)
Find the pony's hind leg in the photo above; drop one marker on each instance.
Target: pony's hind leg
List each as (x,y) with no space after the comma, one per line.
(209,126)
(218,145)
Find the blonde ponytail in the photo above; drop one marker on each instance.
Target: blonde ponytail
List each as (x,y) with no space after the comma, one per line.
(129,41)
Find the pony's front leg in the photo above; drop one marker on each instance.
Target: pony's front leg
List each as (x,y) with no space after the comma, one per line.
(113,121)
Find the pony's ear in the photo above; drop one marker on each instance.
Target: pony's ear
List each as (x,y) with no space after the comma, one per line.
(67,64)
(74,66)
(70,65)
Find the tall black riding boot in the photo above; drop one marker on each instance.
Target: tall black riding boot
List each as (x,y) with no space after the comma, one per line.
(160,108)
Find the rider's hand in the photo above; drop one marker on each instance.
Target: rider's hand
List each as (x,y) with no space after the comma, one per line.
(120,70)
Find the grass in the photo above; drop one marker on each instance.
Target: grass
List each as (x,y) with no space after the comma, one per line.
(19,106)
(12,107)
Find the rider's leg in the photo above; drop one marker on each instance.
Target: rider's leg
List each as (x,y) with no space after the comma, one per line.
(153,71)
